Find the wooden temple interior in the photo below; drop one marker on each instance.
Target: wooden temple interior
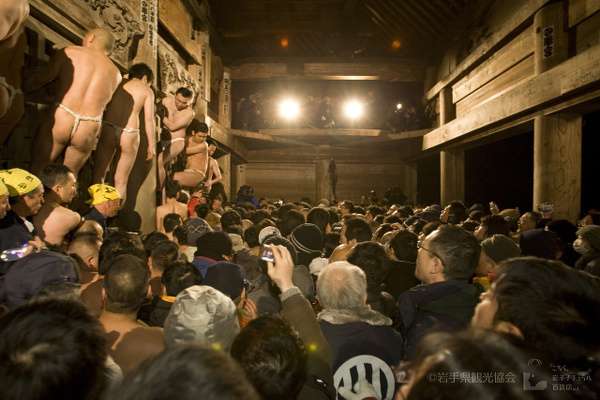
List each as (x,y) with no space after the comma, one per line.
(508,93)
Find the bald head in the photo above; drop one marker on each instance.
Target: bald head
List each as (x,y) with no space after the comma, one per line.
(100,38)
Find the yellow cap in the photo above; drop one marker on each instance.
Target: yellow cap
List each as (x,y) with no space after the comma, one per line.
(3,188)
(101,193)
(18,181)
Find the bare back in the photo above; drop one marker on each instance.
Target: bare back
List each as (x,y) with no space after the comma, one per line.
(169,208)
(131,343)
(127,103)
(12,15)
(54,222)
(87,80)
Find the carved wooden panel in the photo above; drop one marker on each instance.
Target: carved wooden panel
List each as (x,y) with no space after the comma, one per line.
(126,26)
(172,74)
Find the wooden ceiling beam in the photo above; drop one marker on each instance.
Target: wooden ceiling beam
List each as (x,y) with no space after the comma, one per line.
(377,70)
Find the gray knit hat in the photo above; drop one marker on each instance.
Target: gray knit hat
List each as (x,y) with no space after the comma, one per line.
(591,233)
(500,248)
(202,313)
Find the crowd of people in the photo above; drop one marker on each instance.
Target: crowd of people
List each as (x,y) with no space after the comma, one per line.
(258,300)
(327,112)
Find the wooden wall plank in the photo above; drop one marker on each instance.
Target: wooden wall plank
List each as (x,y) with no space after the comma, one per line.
(581,9)
(498,86)
(588,33)
(565,81)
(504,59)
(517,13)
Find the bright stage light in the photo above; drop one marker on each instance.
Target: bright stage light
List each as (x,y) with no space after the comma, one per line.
(398,106)
(353,109)
(289,108)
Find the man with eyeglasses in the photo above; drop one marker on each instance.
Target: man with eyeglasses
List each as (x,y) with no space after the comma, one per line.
(445,301)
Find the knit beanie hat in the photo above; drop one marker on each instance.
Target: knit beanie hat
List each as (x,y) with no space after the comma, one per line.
(591,233)
(195,227)
(307,238)
(213,245)
(500,248)
(538,243)
(226,277)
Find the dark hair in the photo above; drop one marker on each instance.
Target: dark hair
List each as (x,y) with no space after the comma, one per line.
(348,204)
(181,234)
(251,237)
(171,221)
(152,240)
(125,284)
(54,174)
(117,244)
(330,242)
(458,210)
(430,227)
(172,188)
(476,350)
(185,92)
(273,356)
(458,250)
(495,224)
(211,142)
(373,260)
(165,253)
(197,126)
(536,217)
(140,70)
(241,209)
(202,210)
(180,275)
(359,229)
(291,220)
(187,371)
(374,211)
(319,217)
(404,244)
(231,222)
(562,309)
(259,215)
(334,217)
(51,349)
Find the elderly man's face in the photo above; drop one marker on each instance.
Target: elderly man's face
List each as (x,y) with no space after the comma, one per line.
(34,200)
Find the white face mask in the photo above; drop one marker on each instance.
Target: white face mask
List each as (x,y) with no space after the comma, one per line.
(580,247)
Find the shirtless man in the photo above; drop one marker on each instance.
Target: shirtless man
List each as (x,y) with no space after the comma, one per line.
(121,127)
(12,104)
(55,221)
(172,190)
(12,15)
(87,79)
(176,117)
(196,164)
(126,286)
(214,173)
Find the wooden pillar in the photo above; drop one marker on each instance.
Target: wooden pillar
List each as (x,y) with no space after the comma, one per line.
(447,107)
(322,181)
(225,164)
(557,164)
(557,138)
(452,165)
